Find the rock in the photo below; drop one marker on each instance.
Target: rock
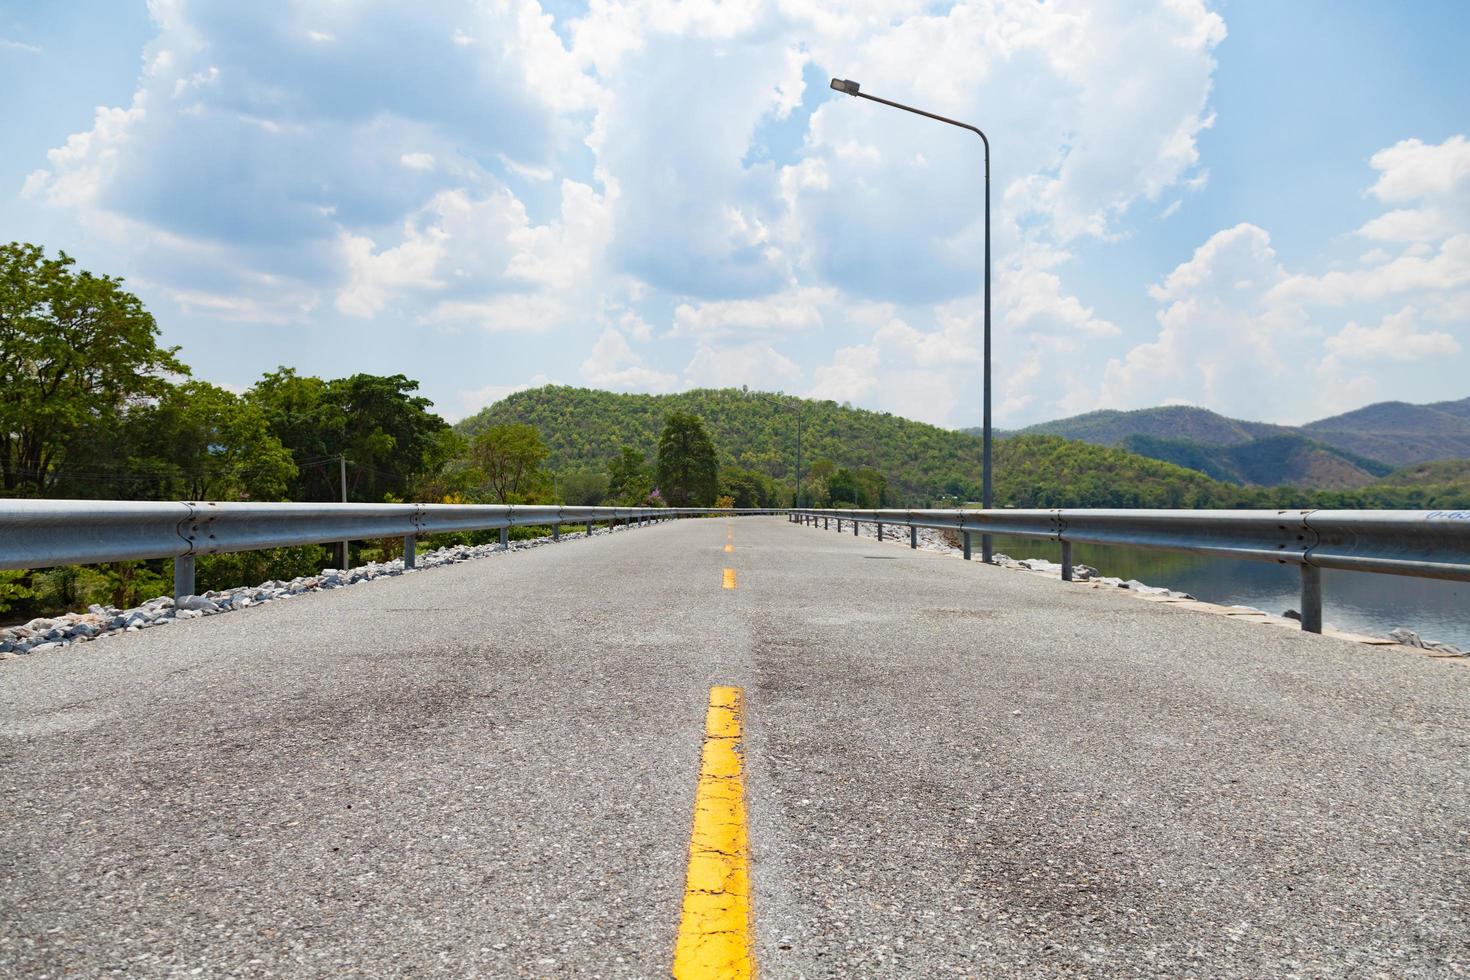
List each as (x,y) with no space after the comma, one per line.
(199,603)
(81,629)
(188,614)
(1409,638)
(1292,614)
(42,648)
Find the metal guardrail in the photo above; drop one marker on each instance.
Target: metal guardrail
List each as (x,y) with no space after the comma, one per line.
(43,533)
(1424,544)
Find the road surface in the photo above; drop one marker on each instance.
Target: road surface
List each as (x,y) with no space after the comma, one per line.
(948,769)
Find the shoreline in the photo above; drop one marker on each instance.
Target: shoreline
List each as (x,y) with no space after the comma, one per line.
(937,541)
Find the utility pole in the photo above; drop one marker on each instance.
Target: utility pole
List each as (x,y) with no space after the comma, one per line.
(342,464)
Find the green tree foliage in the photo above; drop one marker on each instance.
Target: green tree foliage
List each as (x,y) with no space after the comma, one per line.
(921,464)
(76,351)
(508,459)
(219,444)
(388,434)
(688,472)
(748,488)
(628,480)
(583,488)
(860,487)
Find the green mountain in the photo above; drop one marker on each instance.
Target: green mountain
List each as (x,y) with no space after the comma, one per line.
(1344,451)
(1286,459)
(1442,472)
(1399,433)
(1178,422)
(584,429)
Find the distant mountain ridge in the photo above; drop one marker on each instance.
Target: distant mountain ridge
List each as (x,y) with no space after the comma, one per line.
(584,428)
(1349,450)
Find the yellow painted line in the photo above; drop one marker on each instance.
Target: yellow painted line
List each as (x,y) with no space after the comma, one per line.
(714,932)
(729,578)
(729,548)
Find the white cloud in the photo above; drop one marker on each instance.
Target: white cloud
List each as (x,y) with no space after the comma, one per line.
(635,326)
(1221,342)
(649,155)
(513,312)
(783,313)
(1396,338)
(757,365)
(19,46)
(1242,334)
(852,375)
(473,400)
(613,364)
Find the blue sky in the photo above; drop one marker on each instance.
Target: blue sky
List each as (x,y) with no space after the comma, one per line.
(1261,208)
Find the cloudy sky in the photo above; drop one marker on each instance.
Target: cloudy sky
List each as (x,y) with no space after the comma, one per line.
(1259,207)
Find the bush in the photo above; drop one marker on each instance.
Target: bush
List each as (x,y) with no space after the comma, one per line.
(231,571)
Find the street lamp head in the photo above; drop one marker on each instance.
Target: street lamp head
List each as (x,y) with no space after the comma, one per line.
(845,85)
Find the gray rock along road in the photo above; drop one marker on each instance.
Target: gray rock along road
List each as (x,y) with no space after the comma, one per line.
(488,770)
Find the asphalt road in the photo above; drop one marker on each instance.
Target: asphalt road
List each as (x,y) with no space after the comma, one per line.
(952,770)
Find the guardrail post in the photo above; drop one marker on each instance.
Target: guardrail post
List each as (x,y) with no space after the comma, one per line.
(183,576)
(1311,599)
(556,532)
(410,543)
(854,528)
(589,529)
(880,530)
(505,539)
(987,554)
(826,524)
(1066,561)
(967,545)
(913,537)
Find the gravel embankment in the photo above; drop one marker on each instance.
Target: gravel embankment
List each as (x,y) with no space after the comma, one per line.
(100,622)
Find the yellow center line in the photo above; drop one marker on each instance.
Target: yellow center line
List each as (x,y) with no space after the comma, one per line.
(715,932)
(729,578)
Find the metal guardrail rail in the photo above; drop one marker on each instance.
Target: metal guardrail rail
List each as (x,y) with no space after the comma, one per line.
(43,533)
(1424,544)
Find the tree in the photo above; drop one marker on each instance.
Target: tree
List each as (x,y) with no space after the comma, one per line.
(583,488)
(388,435)
(219,445)
(688,473)
(748,488)
(628,480)
(510,458)
(76,351)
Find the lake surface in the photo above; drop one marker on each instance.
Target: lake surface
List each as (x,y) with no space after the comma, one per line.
(1360,602)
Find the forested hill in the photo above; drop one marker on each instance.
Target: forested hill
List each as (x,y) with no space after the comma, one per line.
(1347,450)
(584,429)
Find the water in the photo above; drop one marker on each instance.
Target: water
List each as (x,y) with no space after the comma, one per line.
(1354,601)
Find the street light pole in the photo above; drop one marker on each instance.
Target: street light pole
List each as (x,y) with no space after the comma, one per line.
(849,87)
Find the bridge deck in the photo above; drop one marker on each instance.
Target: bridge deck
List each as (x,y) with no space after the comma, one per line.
(951,769)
